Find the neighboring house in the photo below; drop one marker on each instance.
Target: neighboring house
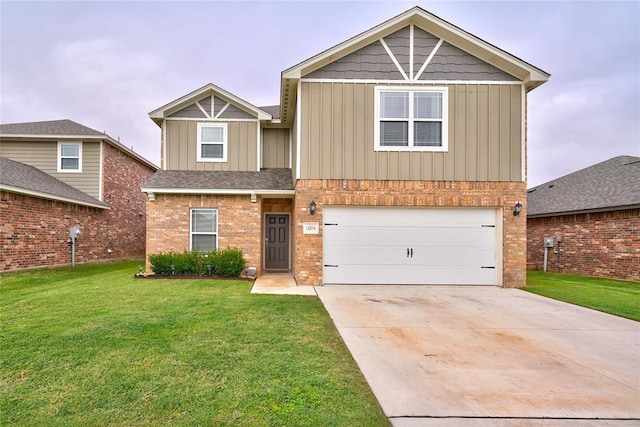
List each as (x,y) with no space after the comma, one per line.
(395,157)
(593,217)
(55,175)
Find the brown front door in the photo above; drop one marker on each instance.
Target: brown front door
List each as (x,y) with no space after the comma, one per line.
(276,245)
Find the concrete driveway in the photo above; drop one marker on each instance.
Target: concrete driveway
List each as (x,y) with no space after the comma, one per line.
(488,356)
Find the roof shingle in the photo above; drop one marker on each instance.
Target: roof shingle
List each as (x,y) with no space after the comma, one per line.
(52,127)
(21,176)
(266,179)
(610,185)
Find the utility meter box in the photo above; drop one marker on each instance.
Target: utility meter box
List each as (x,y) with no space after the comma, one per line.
(548,242)
(74,232)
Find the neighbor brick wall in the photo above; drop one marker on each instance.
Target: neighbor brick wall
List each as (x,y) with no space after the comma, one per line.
(307,264)
(239,223)
(604,244)
(35,231)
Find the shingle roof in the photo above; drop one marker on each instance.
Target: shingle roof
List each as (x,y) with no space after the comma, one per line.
(274,110)
(52,127)
(610,185)
(266,179)
(19,177)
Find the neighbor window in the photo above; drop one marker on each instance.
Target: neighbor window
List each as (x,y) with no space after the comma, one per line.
(204,229)
(212,142)
(69,157)
(411,119)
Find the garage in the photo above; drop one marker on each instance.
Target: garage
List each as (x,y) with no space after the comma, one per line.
(412,246)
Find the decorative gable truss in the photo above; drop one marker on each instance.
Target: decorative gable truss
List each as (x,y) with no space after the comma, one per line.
(212,107)
(411,55)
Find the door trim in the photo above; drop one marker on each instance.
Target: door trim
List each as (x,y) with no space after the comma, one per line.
(262,245)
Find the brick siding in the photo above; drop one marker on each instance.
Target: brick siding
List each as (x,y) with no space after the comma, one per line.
(307,262)
(239,224)
(604,244)
(35,231)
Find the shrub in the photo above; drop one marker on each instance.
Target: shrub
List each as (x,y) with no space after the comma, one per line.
(228,262)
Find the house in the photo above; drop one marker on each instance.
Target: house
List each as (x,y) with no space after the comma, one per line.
(55,175)
(397,156)
(593,219)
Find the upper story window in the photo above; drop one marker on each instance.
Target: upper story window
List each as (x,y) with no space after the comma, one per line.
(204,230)
(69,157)
(411,119)
(212,142)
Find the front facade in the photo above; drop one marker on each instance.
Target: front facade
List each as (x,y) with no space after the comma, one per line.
(60,174)
(405,149)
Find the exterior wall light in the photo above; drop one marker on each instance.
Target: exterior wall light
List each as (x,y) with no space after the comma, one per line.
(312,208)
(517,209)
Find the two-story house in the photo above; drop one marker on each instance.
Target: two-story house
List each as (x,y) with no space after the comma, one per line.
(395,157)
(55,175)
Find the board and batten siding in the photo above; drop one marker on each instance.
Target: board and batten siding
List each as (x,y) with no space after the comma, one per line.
(44,156)
(275,148)
(182,145)
(485,135)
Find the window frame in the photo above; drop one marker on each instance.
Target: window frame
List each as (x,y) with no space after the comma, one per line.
(199,233)
(60,157)
(411,90)
(224,143)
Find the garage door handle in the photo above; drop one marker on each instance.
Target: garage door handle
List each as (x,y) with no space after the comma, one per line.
(411,252)
(407,252)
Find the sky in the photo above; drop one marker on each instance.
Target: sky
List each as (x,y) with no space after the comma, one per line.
(107,64)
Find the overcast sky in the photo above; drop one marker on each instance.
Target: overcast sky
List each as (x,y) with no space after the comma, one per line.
(107,64)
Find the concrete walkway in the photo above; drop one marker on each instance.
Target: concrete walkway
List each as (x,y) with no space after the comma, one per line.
(280,284)
(488,356)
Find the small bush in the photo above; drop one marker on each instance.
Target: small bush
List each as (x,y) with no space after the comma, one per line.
(228,262)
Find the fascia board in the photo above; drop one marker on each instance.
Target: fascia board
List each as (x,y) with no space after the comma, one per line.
(47,196)
(215,191)
(585,211)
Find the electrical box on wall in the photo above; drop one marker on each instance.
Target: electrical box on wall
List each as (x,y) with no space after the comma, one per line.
(548,242)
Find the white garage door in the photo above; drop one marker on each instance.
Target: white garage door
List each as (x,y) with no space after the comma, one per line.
(373,245)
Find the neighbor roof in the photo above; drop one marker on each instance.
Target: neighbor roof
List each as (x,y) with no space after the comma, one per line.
(266,181)
(610,185)
(24,179)
(64,129)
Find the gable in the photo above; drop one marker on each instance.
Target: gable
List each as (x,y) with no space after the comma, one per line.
(411,53)
(202,109)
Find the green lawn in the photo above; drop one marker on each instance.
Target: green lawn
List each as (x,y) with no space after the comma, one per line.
(611,296)
(94,346)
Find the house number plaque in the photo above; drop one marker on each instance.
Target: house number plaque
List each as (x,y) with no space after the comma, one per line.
(309,228)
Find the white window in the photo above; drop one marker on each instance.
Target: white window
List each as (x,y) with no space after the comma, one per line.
(411,119)
(212,142)
(204,230)
(69,157)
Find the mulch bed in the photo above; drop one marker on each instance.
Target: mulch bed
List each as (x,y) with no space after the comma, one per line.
(189,276)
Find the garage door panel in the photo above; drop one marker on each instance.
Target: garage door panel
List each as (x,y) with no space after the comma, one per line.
(409,245)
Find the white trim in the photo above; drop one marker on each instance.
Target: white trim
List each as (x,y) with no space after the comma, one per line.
(191,233)
(523,131)
(290,147)
(214,120)
(259,146)
(429,58)
(411,29)
(213,105)
(203,110)
(59,157)
(416,82)
(393,58)
(222,110)
(298,131)
(410,120)
(163,166)
(217,191)
(41,195)
(100,173)
(200,143)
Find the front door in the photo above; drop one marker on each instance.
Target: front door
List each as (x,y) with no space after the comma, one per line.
(276,242)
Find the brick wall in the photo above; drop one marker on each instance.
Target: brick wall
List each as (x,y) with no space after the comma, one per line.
(34,231)
(604,244)
(239,223)
(307,265)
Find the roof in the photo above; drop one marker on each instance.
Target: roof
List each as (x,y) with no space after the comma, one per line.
(21,178)
(159,114)
(65,129)
(274,110)
(266,181)
(610,185)
(529,74)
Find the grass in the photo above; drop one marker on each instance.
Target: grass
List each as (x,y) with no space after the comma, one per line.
(92,346)
(610,296)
